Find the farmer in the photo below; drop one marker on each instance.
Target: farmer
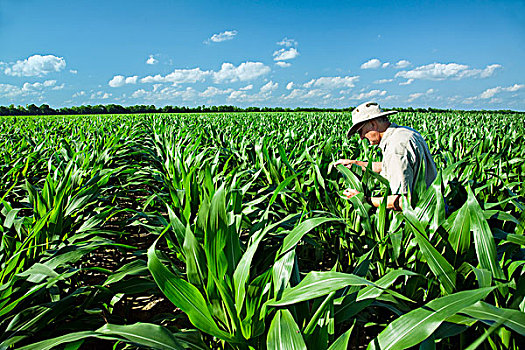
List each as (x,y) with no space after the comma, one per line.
(403,148)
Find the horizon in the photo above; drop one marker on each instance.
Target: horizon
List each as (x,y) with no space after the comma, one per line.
(465,55)
(227,109)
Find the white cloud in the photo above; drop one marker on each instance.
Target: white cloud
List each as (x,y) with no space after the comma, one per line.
(287,42)
(370,94)
(117,81)
(402,64)
(514,87)
(245,71)
(35,65)
(489,70)
(242,96)
(371,64)
(38,86)
(178,76)
(383,81)
(79,94)
(132,80)
(270,86)
(408,82)
(238,95)
(442,71)
(73,71)
(489,93)
(417,95)
(36,90)
(284,55)
(301,94)
(120,80)
(290,86)
(391,98)
(100,95)
(374,63)
(169,93)
(154,79)
(283,64)
(414,96)
(226,35)
(140,93)
(264,94)
(227,74)
(212,91)
(332,82)
(10,91)
(152,60)
(247,87)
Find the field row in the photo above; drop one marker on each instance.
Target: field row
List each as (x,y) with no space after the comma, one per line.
(230,231)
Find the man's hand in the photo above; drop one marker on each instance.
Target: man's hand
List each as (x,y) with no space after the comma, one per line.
(350,192)
(376,166)
(393,201)
(347,162)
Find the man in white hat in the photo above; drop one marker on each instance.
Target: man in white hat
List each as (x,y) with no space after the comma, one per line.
(403,148)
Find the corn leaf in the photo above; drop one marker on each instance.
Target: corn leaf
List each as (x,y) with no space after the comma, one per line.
(415,326)
(284,333)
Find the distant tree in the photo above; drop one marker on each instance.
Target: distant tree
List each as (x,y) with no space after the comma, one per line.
(46,110)
(32,109)
(21,110)
(115,109)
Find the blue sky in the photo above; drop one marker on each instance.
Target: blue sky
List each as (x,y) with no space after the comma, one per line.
(443,54)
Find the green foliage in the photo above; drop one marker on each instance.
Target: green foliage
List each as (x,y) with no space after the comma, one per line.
(234,224)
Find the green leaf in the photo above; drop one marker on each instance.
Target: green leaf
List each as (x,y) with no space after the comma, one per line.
(436,262)
(415,326)
(321,324)
(342,342)
(284,333)
(195,259)
(483,238)
(144,334)
(184,295)
(282,185)
(358,202)
(299,231)
(51,343)
(136,267)
(317,284)
(372,292)
(242,271)
(458,227)
(512,319)
(281,272)
(350,178)
(10,218)
(483,276)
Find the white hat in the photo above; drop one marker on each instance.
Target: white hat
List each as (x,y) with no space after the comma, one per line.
(365,112)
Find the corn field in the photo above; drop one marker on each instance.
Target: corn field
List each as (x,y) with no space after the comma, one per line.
(230,231)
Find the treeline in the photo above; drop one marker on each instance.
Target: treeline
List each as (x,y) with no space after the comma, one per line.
(117,109)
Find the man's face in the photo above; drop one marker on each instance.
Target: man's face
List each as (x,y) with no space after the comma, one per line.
(369,131)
